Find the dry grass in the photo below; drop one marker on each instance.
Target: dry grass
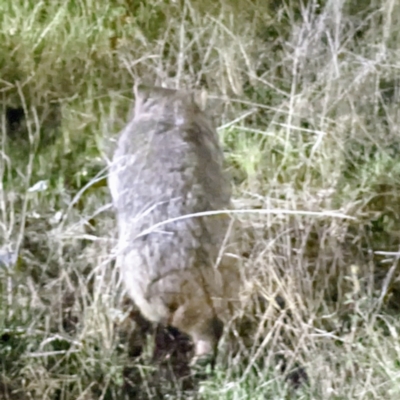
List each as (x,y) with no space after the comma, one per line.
(306,99)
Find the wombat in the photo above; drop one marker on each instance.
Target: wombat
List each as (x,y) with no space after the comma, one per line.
(168,164)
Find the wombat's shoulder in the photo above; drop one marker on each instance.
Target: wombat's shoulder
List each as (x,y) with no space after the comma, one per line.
(169,149)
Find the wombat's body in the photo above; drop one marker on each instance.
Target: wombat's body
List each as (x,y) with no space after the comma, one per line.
(168,164)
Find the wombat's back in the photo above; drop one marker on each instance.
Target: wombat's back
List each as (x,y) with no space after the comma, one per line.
(168,163)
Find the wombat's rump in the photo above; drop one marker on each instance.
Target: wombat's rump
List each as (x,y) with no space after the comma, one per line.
(168,164)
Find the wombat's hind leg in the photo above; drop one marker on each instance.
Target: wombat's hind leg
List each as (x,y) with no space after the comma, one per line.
(137,338)
(205,329)
(206,350)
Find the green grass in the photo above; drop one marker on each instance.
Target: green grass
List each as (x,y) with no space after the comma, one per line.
(306,100)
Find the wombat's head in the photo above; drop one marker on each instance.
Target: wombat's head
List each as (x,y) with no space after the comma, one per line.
(178,106)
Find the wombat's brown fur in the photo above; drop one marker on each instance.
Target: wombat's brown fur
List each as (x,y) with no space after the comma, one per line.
(168,164)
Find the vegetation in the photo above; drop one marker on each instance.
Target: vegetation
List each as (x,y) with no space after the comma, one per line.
(306,97)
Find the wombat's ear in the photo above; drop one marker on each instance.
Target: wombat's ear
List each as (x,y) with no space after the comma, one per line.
(138,89)
(200,97)
(141,93)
